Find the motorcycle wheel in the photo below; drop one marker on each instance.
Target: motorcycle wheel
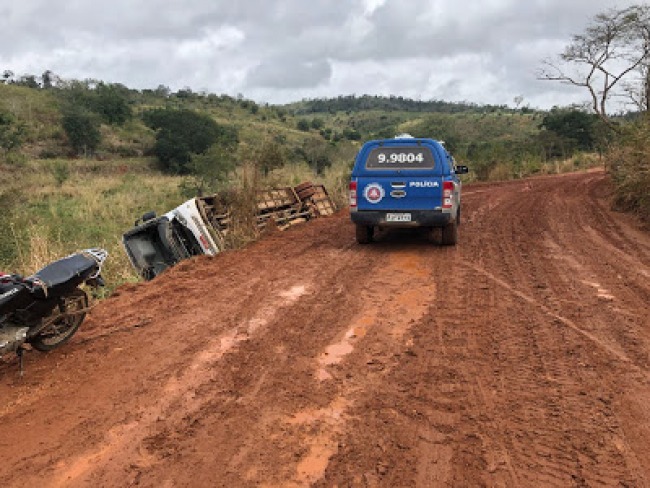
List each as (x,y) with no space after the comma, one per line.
(65,324)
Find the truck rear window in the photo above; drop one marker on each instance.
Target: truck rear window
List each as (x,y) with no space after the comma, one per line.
(406,157)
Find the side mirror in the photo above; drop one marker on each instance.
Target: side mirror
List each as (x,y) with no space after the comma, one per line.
(149,216)
(145,218)
(461,170)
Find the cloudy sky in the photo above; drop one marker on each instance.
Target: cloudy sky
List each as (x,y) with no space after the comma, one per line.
(276,51)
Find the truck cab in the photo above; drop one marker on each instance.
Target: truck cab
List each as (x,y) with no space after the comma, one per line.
(405,182)
(157,243)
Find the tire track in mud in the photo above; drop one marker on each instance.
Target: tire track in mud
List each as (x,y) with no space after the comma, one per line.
(425,401)
(544,433)
(248,398)
(616,353)
(397,295)
(151,303)
(123,441)
(598,452)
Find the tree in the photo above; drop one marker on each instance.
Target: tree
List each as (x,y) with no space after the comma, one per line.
(210,170)
(303,125)
(181,133)
(48,79)
(111,104)
(29,81)
(162,91)
(351,134)
(82,128)
(575,126)
(268,156)
(185,93)
(7,76)
(316,154)
(606,57)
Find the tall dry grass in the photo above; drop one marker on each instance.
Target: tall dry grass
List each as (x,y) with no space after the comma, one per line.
(629,163)
(89,208)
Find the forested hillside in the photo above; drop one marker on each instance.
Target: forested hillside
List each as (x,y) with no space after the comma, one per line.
(47,120)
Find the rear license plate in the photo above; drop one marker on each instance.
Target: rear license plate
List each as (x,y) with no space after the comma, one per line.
(398,217)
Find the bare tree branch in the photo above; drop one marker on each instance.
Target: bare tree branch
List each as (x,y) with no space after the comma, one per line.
(605,57)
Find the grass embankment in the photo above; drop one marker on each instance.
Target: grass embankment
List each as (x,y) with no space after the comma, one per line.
(44,218)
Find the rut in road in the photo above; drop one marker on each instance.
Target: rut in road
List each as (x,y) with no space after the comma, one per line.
(517,358)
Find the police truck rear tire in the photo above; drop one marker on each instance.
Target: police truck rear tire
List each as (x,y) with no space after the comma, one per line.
(364,233)
(450,234)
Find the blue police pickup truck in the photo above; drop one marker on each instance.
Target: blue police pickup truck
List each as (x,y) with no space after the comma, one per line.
(405,182)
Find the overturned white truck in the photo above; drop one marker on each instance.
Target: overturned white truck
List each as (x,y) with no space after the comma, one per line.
(199,225)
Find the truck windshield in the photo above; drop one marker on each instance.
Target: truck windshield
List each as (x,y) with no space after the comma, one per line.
(400,157)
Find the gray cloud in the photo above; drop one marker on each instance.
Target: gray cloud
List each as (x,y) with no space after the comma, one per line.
(485,51)
(293,74)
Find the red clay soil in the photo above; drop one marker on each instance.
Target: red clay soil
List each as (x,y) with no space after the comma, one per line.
(518,358)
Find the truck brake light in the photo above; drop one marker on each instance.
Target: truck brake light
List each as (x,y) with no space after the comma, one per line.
(447,194)
(353,194)
(204,242)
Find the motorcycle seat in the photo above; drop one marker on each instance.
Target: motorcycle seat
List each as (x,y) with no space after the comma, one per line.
(67,271)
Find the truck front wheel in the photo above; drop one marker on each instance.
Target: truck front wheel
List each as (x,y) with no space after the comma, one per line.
(364,233)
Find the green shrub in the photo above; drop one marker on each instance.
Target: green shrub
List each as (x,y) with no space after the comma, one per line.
(303,125)
(60,170)
(111,104)
(82,129)
(12,132)
(210,171)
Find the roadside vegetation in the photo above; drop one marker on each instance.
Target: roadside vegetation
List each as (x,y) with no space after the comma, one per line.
(610,61)
(80,160)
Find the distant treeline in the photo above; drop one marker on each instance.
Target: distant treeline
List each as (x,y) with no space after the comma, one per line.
(353,103)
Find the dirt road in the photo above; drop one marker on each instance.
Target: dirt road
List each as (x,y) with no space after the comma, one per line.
(518,358)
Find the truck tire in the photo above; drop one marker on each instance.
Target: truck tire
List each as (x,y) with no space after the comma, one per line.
(450,234)
(364,233)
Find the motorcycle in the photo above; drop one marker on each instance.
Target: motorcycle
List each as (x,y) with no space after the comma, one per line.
(46,309)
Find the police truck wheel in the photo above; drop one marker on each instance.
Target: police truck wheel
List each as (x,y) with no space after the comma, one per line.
(364,233)
(434,235)
(450,234)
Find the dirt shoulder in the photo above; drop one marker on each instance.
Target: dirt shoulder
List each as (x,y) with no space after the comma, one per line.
(518,358)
